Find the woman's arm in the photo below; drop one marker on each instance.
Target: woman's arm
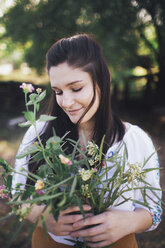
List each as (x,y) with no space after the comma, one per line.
(111,226)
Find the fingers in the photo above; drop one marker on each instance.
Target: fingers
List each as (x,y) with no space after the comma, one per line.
(93,220)
(92,231)
(75,209)
(96,238)
(70,219)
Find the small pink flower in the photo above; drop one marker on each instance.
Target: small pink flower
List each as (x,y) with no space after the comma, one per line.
(40,192)
(3,192)
(69,162)
(94,169)
(64,160)
(28,88)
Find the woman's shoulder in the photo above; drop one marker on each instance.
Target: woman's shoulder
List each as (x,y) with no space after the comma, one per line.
(136,134)
(136,140)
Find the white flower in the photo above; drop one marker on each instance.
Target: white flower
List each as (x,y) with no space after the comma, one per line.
(85,174)
(85,190)
(135,171)
(91,162)
(92,148)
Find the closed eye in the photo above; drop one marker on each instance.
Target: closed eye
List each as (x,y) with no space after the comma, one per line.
(59,92)
(76,90)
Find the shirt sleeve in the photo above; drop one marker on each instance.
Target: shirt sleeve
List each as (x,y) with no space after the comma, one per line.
(20,176)
(140,148)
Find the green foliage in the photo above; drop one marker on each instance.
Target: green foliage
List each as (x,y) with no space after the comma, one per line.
(127,30)
(40,25)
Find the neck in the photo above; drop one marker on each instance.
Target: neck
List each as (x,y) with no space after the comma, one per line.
(85,132)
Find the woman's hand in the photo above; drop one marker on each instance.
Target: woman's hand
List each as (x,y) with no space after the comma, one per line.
(64,225)
(111,226)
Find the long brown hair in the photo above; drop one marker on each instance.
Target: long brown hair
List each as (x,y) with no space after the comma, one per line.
(82,51)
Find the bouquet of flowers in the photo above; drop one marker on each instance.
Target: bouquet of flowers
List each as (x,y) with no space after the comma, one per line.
(66,180)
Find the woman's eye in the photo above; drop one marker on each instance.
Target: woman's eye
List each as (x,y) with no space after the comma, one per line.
(76,90)
(58,93)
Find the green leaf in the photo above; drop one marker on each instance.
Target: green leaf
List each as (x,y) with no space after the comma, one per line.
(151,169)
(29,103)
(29,116)
(7,216)
(39,199)
(139,202)
(60,183)
(44,227)
(14,235)
(15,197)
(146,160)
(37,107)
(62,202)
(53,141)
(75,150)
(5,165)
(74,184)
(101,149)
(47,118)
(33,97)
(41,96)
(56,213)
(25,124)
(37,157)
(9,181)
(27,151)
(27,193)
(79,203)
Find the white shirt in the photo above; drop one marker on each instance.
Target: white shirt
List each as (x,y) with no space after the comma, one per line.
(139,146)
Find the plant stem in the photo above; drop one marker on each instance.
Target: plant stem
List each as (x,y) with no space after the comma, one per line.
(26,101)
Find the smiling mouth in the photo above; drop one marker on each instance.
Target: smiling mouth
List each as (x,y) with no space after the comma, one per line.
(73,112)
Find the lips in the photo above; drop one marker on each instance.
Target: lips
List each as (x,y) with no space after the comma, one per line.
(73,112)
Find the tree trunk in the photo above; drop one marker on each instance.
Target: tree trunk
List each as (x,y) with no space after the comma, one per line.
(160,91)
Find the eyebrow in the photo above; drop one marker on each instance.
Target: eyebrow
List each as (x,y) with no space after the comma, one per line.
(69,84)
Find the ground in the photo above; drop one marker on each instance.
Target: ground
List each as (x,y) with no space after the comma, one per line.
(9,142)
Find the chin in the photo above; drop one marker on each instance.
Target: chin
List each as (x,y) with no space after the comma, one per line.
(74,121)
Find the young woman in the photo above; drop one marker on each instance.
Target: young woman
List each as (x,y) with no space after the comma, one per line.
(80,82)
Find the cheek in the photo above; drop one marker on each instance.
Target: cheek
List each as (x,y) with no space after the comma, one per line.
(86,98)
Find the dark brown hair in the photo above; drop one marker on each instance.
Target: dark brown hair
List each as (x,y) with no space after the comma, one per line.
(82,51)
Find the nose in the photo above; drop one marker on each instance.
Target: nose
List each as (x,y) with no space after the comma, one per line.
(67,101)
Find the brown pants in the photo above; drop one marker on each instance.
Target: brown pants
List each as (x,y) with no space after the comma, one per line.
(39,241)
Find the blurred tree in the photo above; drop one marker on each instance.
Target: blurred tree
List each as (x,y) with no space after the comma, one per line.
(152,12)
(120,26)
(38,24)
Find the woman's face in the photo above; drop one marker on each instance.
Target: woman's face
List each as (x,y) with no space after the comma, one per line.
(74,92)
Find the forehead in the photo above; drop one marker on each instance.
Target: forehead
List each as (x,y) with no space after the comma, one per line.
(65,74)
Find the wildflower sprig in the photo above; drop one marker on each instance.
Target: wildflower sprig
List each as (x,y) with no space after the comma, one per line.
(64,180)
